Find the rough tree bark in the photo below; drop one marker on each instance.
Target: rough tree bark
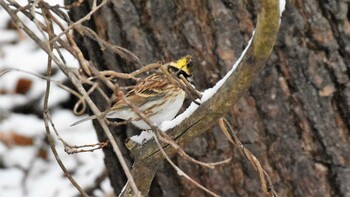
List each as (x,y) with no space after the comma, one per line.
(295,117)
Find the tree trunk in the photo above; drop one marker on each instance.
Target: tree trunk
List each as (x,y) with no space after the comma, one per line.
(296,116)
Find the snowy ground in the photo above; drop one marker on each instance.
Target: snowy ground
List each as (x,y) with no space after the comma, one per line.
(27,165)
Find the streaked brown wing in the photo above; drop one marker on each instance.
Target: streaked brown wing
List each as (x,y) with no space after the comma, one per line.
(151,88)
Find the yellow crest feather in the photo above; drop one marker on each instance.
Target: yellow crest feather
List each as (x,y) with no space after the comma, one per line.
(183,64)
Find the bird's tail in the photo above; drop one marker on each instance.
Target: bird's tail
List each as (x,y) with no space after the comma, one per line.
(84,119)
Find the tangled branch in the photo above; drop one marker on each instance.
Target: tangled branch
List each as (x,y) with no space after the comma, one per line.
(45,45)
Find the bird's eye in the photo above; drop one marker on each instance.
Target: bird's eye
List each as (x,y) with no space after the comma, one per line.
(178,72)
(181,72)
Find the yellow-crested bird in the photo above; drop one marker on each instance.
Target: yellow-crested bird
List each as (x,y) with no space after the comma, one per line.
(157,96)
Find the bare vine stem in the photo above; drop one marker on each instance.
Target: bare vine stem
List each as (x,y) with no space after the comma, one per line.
(47,118)
(266,182)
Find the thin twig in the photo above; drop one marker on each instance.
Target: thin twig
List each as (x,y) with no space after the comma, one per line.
(232,137)
(182,173)
(122,52)
(165,138)
(85,18)
(81,149)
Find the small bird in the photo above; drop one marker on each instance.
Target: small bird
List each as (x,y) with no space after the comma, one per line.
(158,96)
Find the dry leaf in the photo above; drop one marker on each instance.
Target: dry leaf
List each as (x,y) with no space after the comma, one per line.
(328,90)
(23,86)
(15,139)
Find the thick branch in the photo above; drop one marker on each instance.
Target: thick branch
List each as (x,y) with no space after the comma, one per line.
(148,155)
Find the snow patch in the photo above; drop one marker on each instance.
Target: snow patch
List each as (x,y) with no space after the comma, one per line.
(282,6)
(19,156)
(143,137)
(28,125)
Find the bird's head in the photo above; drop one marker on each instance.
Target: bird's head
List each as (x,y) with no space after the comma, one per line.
(182,66)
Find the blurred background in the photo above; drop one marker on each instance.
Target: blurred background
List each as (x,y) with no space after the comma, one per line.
(27,165)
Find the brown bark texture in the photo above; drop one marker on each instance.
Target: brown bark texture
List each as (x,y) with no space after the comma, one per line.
(295,117)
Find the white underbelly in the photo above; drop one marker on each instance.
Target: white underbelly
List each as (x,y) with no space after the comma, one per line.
(168,112)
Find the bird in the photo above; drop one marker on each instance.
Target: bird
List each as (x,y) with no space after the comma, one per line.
(158,96)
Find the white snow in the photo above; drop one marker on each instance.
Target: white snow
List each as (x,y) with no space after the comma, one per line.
(282,6)
(143,137)
(7,36)
(25,124)
(11,179)
(8,101)
(4,16)
(25,153)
